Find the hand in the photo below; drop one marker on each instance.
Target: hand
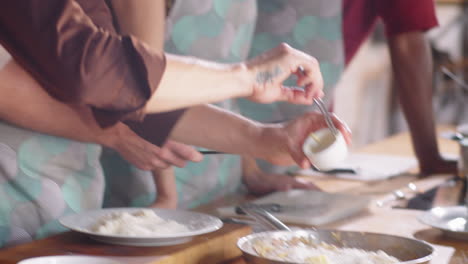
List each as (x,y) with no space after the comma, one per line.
(259,182)
(147,156)
(282,144)
(273,67)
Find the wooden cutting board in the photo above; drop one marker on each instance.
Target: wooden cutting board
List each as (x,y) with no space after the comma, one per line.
(214,247)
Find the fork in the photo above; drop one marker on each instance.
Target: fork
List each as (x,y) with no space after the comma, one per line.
(326,115)
(322,108)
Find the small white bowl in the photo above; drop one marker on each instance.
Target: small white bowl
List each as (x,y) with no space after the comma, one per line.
(325,150)
(68,260)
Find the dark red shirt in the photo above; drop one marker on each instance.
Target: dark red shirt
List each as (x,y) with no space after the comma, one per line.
(399,16)
(73,50)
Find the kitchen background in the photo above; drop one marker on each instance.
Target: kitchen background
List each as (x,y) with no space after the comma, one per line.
(367,81)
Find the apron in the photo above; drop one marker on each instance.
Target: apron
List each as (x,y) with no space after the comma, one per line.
(314,27)
(43,178)
(233,31)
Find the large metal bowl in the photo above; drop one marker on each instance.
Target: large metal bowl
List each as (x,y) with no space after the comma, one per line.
(407,250)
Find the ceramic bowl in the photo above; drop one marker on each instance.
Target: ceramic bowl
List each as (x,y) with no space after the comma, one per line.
(325,150)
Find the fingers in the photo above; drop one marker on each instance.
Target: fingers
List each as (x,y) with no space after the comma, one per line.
(301,97)
(343,127)
(178,154)
(309,75)
(300,158)
(184,151)
(273,67)
(155,163)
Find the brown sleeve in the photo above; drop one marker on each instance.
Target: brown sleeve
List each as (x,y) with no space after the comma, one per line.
(156,128)
(78,62)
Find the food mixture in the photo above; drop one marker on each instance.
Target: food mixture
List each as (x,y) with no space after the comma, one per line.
(301,250)
(139,223)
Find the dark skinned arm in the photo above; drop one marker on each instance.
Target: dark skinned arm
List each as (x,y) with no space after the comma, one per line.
(412,68)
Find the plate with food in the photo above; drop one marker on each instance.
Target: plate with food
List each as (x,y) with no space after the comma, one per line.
(285,245)
(452,220)
(141,226)
(333,247)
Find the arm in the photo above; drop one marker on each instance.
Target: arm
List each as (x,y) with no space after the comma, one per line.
(188,81)
(412,66)
(166,189)
(25,104)
(76,61)
(214,82)
(259,182)
(280,144)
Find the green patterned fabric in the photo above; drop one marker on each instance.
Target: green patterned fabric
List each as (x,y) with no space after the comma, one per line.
(44,177)
(219,30)
(41,179)
(244,29)
(232,31)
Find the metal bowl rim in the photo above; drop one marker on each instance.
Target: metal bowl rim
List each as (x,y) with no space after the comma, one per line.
(414,261)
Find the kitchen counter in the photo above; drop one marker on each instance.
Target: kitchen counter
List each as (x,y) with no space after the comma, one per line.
(219,246)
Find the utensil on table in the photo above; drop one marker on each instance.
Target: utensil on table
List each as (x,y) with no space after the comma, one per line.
(326,115)
(399,194)
(211,152)
(407,250)
(282,208)
(338,171)
(263,216)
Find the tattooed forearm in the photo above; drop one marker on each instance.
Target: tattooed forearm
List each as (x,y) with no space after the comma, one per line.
(264,77)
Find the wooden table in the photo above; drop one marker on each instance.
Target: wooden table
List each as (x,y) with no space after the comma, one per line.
(209,248)
(219,247)
(401,222)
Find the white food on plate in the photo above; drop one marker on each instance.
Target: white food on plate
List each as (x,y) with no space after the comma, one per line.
(139,223)
(300,250)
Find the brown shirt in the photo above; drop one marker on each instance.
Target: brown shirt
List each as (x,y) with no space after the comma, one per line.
(72,49)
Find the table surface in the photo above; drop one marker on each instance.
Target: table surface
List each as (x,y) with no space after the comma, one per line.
(220,245)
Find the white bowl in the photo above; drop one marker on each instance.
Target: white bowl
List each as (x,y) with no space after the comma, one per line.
(68,260)
(325,150)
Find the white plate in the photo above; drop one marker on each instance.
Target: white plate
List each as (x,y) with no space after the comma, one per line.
(451,220)
(68,260)
(197,223)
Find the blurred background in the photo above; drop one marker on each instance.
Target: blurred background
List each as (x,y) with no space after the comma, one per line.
(367,80)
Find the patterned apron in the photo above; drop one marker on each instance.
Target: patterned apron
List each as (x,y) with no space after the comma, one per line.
(41,179)
(232,31)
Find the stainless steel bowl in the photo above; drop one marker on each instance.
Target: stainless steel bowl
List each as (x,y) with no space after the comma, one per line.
(407,250)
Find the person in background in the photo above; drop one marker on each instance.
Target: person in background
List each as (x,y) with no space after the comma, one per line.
(409,52)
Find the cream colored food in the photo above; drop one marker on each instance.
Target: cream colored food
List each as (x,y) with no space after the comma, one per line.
(300,250)
(139,223)
(322,142)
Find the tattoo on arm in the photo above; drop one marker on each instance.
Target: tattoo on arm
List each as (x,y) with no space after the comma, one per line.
(267,76)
